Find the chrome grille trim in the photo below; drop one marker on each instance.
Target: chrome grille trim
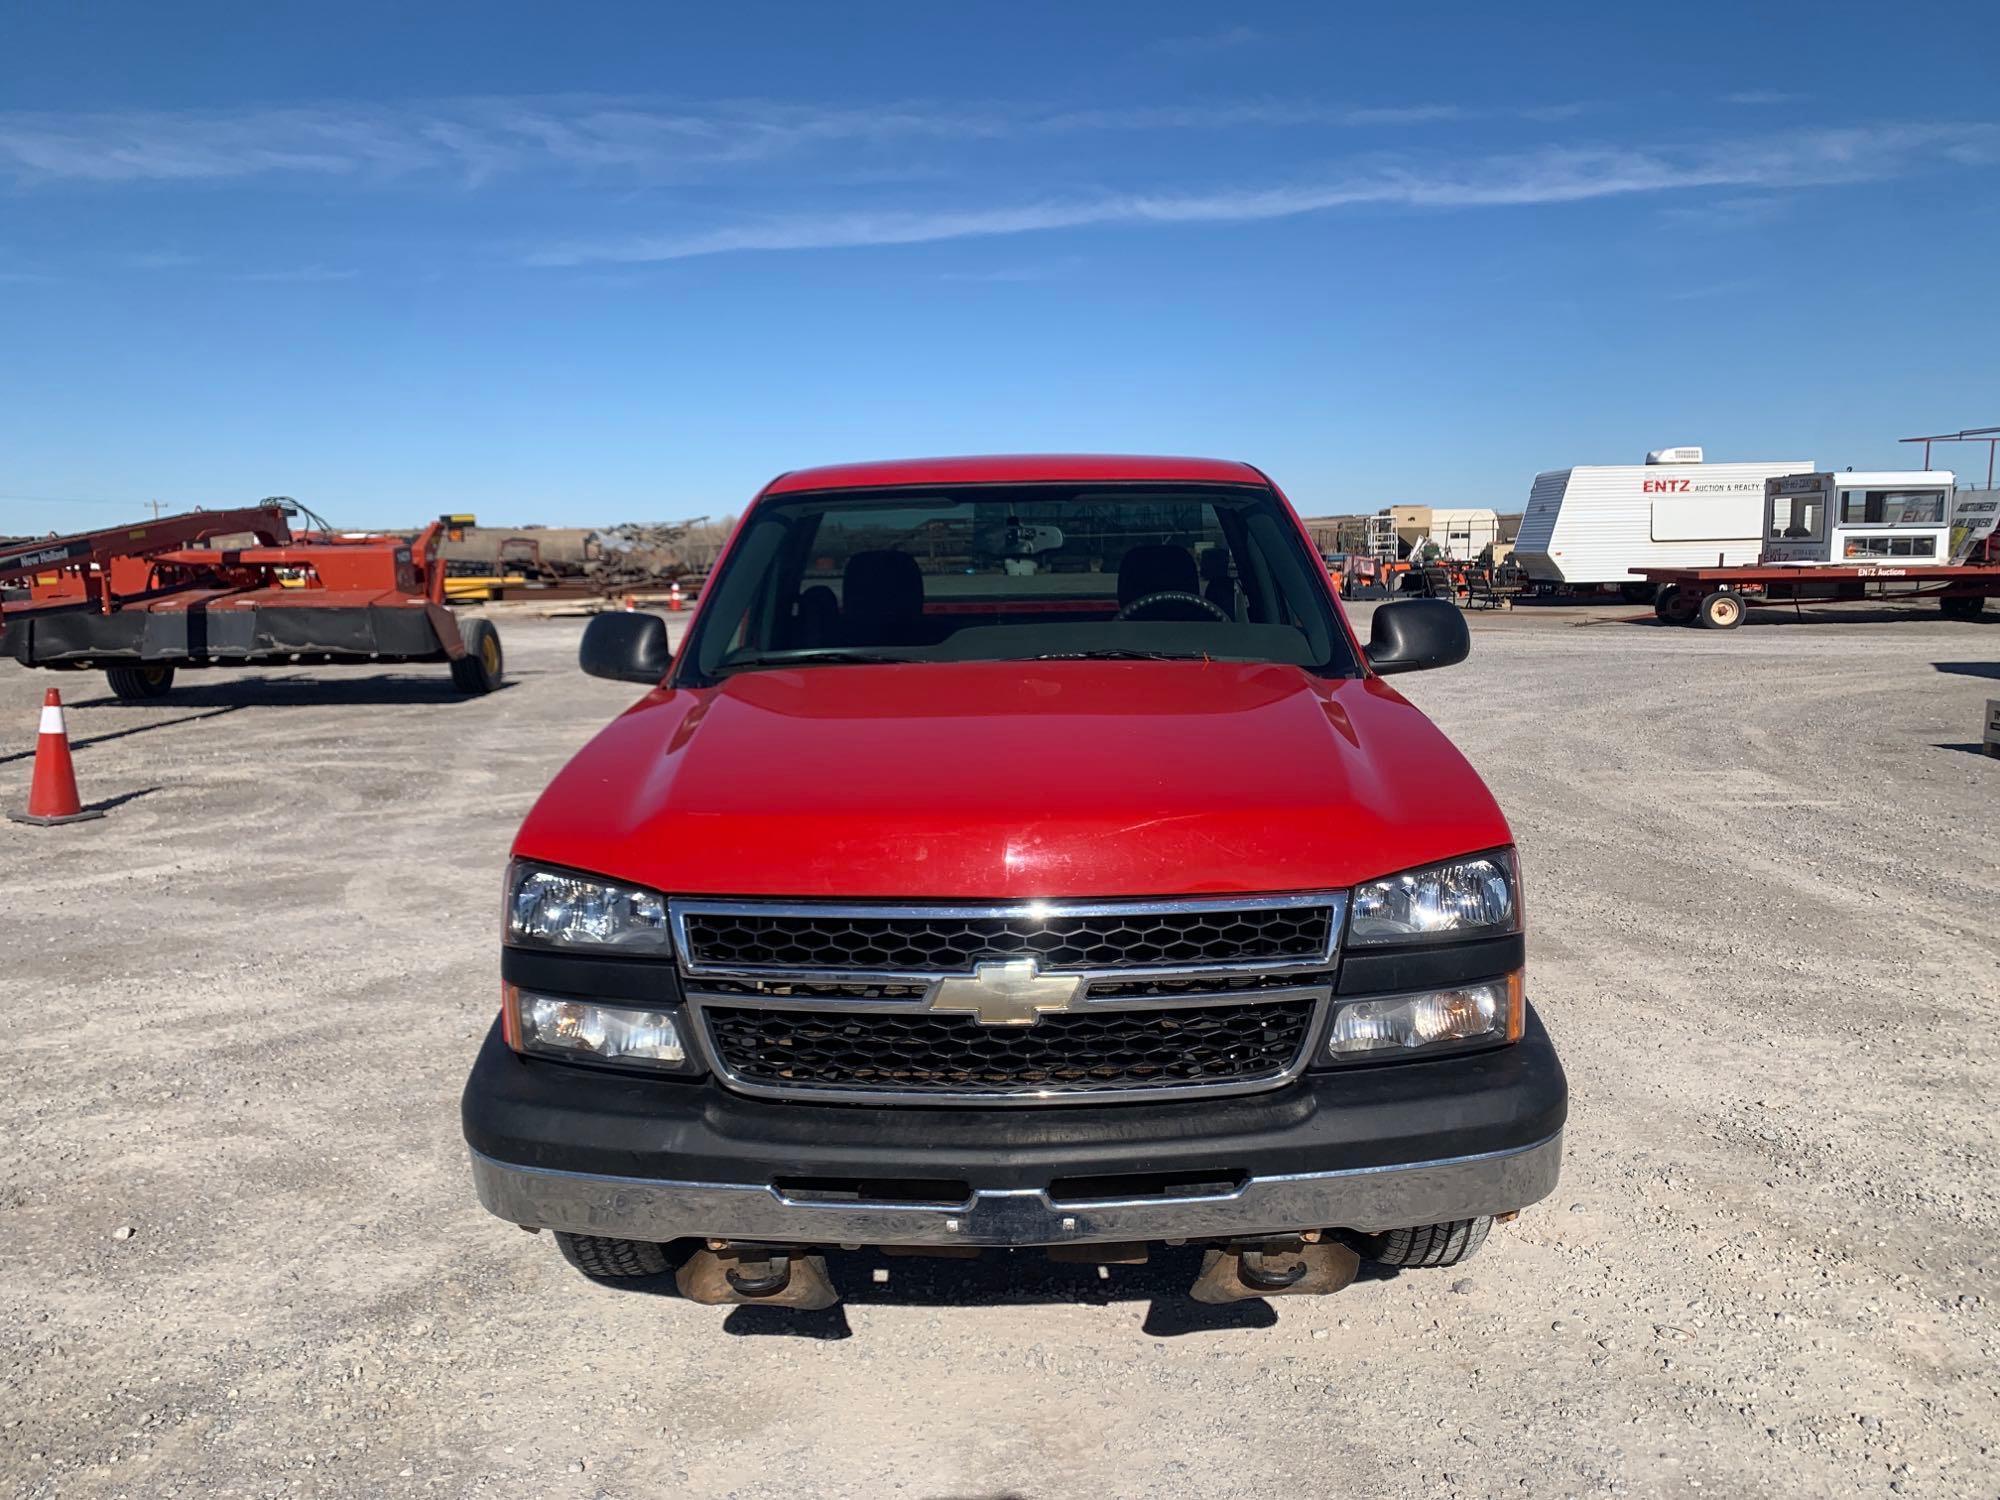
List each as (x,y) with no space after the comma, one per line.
(1298,978)
(1333,902)
(1320,999)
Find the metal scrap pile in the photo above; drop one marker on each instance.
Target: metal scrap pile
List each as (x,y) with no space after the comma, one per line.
(636,557)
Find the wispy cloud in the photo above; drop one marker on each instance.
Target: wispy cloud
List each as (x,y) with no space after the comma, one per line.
(479,140)
(1731,212)
(1711,291)
(299,275)
(160,260)
(1230,39)
(1405,114)
(1048,270)
(1553,175)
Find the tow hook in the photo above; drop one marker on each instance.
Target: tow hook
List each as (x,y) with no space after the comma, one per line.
(1284,1266)
(756,1276)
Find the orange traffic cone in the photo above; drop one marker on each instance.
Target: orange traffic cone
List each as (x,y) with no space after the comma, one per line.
(52,794)
(674,595)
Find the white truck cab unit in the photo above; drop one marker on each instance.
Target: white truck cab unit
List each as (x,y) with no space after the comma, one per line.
(1841,520)
(1596,524)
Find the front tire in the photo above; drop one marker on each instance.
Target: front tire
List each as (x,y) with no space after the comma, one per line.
(483,666)
(140,684)
(1962,606)
(1721,610)
(1426,1245)
(602,1258)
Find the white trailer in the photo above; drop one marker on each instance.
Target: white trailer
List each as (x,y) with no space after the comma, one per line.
(1902,517)
(1601,523)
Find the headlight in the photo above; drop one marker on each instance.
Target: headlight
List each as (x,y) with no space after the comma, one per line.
(1466,898)
(1488,1012)
(578,1029)
(555,909)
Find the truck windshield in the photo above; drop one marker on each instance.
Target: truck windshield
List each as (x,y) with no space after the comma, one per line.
(1017,573)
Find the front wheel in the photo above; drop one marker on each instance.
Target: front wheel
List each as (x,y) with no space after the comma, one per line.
(1721,610)
(602,1258)
(140,684)
(482,666)
(1962,606)
(1426,1245)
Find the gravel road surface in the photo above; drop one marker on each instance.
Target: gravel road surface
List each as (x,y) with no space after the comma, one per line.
(240,1255)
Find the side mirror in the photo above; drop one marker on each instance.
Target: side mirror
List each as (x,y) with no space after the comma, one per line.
(1415,635)
(626,647)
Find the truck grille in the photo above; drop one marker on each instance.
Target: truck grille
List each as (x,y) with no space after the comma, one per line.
(1187,936)
(1184,1047)
(1209,995)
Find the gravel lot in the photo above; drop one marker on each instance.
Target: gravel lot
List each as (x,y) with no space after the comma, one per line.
(240,1255)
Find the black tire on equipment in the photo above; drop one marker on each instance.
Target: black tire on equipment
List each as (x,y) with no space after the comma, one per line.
(1428,1245)
(140,684)
(604,1259)
(1962,606)
(1675,605)
(483,665)
(1720,610)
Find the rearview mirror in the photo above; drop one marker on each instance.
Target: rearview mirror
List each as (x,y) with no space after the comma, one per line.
(1415,635)
(626,646)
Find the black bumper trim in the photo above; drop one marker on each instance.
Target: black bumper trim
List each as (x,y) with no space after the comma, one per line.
(550,1115)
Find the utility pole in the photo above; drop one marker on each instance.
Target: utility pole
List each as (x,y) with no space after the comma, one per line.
(156,506)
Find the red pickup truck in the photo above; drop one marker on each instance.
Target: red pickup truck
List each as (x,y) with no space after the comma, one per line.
(1018,852)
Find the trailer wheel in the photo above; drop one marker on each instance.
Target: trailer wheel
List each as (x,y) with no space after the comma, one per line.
(1721,610)
(604,1259)
(140,684)
(1962,606)
(1425,1245)
(482,666)
(1675,605)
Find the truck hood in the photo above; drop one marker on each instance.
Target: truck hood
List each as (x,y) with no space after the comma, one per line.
(1011,780)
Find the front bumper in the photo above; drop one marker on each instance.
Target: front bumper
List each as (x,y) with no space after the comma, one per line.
(555,1146)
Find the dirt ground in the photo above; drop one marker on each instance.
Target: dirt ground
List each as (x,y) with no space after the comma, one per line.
(240,1254)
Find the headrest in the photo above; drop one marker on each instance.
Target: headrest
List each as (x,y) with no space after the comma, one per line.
(1156,568)
(881,591)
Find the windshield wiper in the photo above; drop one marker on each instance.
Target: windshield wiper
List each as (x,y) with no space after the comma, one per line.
(808,656)
(1119,653)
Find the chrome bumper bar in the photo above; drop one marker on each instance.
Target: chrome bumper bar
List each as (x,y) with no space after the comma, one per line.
(1369,1199)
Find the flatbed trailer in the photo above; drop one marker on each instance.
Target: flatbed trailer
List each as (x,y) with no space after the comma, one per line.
(1715,598)
(234,588)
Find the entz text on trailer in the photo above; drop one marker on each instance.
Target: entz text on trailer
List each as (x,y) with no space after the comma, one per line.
(1597,523)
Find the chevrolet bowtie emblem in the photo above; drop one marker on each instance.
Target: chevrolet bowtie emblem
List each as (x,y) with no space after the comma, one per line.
(1014,992)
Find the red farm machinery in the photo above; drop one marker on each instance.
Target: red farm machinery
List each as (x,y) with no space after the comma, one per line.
(234,588)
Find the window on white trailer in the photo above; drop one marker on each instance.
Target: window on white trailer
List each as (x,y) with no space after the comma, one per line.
(1890,546)
(1808,516)
(1892,507)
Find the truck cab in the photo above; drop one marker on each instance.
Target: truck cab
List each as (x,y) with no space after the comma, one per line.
(1018,853)
(1897,519)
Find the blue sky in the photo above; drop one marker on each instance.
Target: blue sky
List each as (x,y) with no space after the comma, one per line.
(587,264)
